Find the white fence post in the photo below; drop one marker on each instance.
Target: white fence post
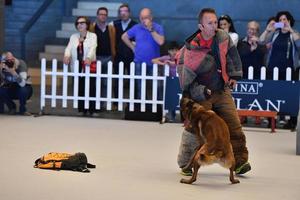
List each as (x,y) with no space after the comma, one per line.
(250,73)
(275,74)
(288,75)
(263,72)
(154,88)
(53,83)
(120,86)
(87,87)
(109,85)
(131,86)
(65,86)
(43,84)
(143,87)
(98,85)
(75,82)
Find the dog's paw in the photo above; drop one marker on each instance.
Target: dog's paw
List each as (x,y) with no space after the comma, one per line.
(235,181)
(184,181)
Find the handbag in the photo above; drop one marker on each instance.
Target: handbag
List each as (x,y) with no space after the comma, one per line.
(93,66)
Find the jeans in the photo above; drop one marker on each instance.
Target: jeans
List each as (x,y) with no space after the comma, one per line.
(14,91)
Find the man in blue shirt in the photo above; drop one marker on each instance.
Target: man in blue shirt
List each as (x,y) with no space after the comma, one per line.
(148,36)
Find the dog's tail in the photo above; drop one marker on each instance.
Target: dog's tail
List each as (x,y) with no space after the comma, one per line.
(189,164)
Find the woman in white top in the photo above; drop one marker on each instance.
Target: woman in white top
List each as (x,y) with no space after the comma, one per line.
(225,22)
(82,47)
(85,38)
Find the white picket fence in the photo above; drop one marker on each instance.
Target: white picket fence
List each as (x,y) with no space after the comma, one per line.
(109,99)
(263,73)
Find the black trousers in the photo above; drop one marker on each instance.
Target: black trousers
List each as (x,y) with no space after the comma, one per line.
(81,91)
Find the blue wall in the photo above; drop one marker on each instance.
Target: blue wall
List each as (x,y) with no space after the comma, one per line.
(178,17)
(16,17)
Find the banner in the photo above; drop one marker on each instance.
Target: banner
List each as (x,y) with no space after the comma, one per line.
(266,95)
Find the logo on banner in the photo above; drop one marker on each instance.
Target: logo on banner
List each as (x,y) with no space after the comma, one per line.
(251,88)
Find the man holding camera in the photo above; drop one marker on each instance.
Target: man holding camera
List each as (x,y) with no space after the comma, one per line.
(15,85)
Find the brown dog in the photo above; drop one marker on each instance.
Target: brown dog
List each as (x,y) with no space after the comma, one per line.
(213,133)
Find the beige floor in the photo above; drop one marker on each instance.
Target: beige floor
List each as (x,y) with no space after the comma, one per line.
(135,160)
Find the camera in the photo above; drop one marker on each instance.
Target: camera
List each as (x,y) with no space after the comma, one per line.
(9,63)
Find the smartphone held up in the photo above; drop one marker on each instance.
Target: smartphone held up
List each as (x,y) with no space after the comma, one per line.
(278,25)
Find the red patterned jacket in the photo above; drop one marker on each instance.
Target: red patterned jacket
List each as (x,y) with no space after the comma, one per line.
(200,67)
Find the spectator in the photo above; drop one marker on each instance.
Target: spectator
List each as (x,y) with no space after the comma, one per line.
(123,24)
(149,36)
(169,60)
(82,47)
(123,52)
(284,51)
(16,84)
(270,20)
(106,43)
(225,22)
(285,43)
(251,52)
(208,66)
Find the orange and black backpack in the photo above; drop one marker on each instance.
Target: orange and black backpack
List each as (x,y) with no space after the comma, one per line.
(57,161)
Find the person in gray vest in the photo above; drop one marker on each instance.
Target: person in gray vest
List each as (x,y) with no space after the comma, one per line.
(15,84)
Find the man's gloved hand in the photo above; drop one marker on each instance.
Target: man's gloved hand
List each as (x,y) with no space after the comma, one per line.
(207,93)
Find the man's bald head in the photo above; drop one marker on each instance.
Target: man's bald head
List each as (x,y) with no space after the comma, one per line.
(146,12)
(145,16)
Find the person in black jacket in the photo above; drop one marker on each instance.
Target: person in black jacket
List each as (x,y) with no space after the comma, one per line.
(251,52)
(124,23)
(123,52)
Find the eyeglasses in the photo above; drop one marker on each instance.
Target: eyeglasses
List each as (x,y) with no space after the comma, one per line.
(80,23)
